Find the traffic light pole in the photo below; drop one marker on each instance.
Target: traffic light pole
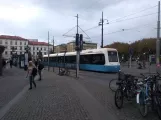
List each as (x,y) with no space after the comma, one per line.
(158,38)
(78,55)
(102,32)
(48,50)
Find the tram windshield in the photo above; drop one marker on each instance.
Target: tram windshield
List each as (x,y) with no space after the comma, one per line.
(112,56)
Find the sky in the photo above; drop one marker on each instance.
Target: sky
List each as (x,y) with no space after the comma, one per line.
(128,20)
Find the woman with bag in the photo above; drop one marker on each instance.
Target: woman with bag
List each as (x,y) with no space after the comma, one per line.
(32,72)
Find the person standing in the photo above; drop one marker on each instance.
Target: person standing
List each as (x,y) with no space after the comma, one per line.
(40,67)
(31,72)
(11,63)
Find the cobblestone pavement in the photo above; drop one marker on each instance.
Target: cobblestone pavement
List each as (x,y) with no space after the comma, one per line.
(98,87)
(11,83)
(65,98)
(57,98)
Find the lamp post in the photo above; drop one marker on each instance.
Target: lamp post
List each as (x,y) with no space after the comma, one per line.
(101,23)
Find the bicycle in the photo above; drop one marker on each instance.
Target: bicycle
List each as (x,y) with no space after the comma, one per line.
(126,89)
(112,85)
(148,94)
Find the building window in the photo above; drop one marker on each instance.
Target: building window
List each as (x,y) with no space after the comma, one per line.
(41,48)
(10,42)
(44,49)
(15,42)
(20,48)
(33,53)
(0,41)
(6,52)
(25,43)
(20,43)
(37,48)
(33,48)
(44,53)
(6,42)
(20,53)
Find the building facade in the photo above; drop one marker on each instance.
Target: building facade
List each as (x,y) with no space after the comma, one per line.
(60,48)
(18,45)
(13,44)
(70,47)
(35,47)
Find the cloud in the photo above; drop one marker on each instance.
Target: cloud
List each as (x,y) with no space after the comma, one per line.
(34,18)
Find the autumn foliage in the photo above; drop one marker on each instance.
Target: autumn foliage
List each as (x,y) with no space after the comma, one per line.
(146,45)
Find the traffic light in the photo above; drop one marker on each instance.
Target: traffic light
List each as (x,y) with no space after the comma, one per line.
(77,40)
(81,41)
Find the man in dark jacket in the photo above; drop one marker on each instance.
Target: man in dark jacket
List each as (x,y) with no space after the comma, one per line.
(40,67)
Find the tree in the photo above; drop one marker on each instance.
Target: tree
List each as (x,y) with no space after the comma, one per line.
(140,46)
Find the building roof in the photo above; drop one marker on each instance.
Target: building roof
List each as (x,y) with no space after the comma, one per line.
(12,37)
(36,40)
(38,43)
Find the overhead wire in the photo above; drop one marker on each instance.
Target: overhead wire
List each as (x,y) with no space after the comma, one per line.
(134,13)
(68,31)
(135,17)
(115,21)
(122,30)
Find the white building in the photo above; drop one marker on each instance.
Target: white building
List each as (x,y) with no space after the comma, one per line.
(35,47)
(13,41)
(20,44)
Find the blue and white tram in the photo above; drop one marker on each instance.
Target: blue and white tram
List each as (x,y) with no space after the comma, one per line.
(100,60)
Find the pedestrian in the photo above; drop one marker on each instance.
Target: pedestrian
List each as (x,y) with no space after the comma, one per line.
(31,72)
(11,63)
(40,67)
(36,63)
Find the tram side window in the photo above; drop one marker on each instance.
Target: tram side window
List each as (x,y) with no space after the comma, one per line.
(61,59)
(51,59)
(67,59)
(112,56)
(98,59)
(72,59)
(85,59)
(45,59)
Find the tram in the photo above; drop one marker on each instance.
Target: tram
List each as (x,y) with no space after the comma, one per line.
(99,60)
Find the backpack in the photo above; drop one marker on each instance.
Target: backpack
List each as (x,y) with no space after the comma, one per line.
(34,71)
(41,66)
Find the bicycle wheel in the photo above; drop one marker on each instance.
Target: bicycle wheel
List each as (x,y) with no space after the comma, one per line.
(157,100)
(112,85)
(141,100)
(119,98)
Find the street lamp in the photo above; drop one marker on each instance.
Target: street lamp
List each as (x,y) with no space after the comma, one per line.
(101,23)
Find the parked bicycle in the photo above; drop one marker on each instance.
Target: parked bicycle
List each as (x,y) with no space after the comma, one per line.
(149,94)
(64,71)
(126,89)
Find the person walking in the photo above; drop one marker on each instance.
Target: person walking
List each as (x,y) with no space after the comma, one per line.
(36,63)
(40,67)
(31,72)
